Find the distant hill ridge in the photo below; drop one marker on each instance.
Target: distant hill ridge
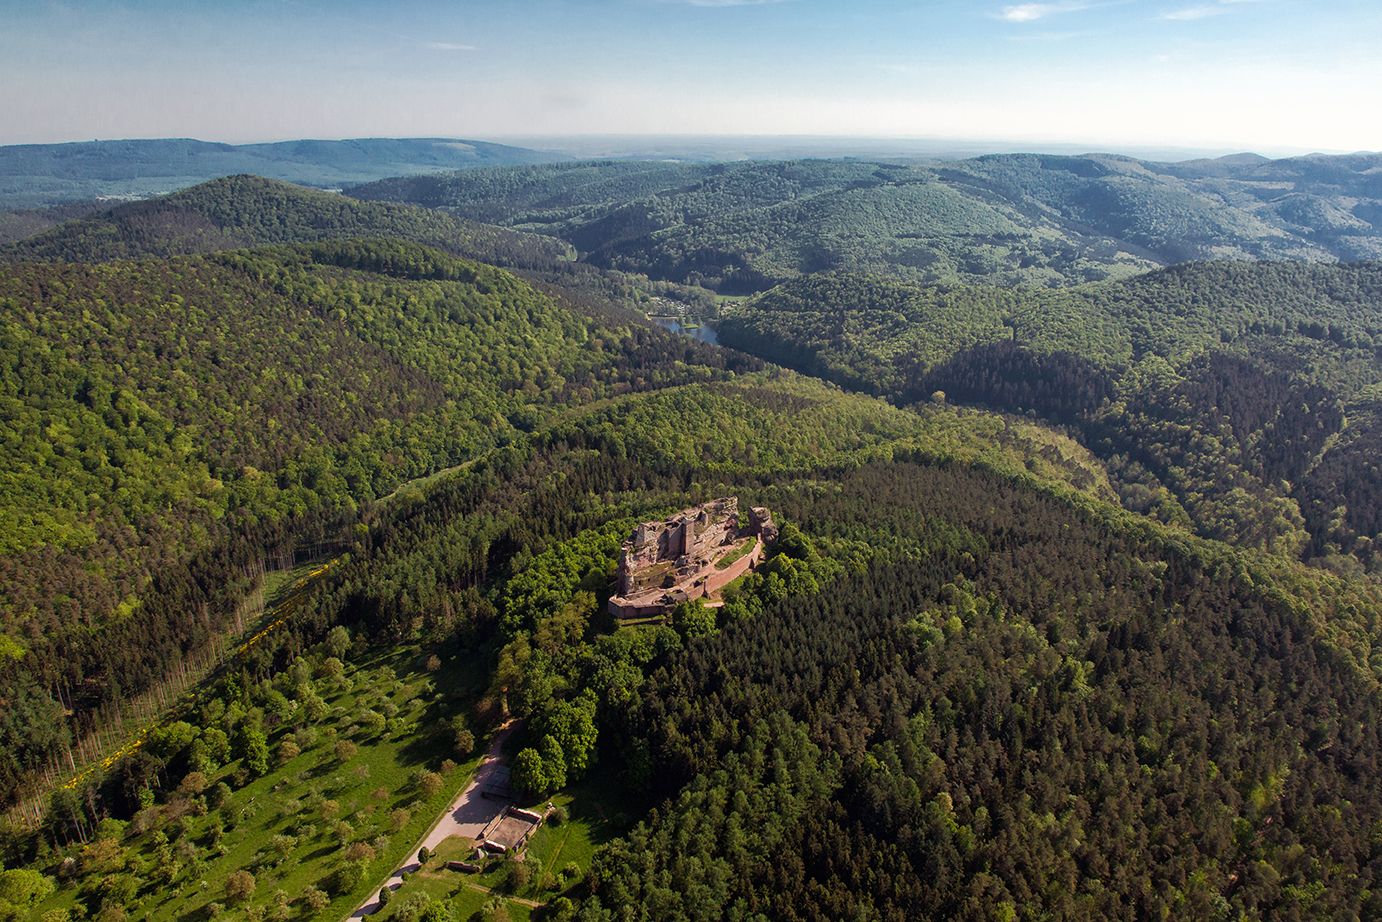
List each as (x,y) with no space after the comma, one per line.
(240,211)
(33,175)
(996,219)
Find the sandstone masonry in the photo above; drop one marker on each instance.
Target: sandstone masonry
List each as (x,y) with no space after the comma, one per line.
(691,555)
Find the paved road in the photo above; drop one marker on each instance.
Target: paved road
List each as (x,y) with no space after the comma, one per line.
(467,817)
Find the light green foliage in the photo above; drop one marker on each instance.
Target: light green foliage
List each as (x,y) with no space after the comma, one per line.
(1004,219)
(553,576)
(1218,395)
(571,724)
(282,828)
(529,773)
(254,749)
(20,891)
(693,619)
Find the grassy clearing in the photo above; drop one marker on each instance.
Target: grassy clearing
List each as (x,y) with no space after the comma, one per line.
(354,784)
(744,547)
(557,858)
(279,584)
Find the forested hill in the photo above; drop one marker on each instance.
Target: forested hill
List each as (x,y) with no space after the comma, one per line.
(998,219)
(164,421)
(39,174)
(1238,398)
(239,211)
(950,693)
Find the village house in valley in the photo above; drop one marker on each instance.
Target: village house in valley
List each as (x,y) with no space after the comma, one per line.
(691,555)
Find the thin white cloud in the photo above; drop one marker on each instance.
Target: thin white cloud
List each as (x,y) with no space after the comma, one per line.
(1031,12)
(1192,13)
(447,46)
(1202,11)
(725,3)
(1047,36)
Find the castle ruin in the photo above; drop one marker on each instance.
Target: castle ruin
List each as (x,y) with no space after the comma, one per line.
(691,555)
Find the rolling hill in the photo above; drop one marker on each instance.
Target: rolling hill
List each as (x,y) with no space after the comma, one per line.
(167,422)
(240,211)
(988,671)
(33,175)
(999,219)
(1234,396)
(952,691)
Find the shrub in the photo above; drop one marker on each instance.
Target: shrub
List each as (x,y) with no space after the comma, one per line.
(288,751)
(283,845)
(280,907)
(430,783)
(239,886)
(346,750)
(338,642)
(360,851)
(347,877)
(518,877)
(193,783)
(496,910)
(219,794)
(557,816)
(372,721)
(315,899)
(423,854)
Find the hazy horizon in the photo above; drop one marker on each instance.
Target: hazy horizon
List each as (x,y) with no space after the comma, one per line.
(1202,75)
(730,147)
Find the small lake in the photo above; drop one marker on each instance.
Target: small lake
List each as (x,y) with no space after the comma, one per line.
(703,331)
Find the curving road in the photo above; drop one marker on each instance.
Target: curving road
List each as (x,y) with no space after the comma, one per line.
(466,818)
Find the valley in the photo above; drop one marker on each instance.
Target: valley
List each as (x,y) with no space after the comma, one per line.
(1070,608)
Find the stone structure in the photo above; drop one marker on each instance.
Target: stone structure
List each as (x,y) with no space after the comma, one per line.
(509,831)
(692,555)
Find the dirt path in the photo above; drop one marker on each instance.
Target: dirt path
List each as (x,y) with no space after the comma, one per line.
(467,817)
(531,904)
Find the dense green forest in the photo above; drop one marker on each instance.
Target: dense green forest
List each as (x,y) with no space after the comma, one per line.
(158,411)
(1074,613)
(953,690)
(244,211)
(998,219)
(240,211)
(1233,397)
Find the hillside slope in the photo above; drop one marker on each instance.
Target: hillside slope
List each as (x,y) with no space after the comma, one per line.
(41,174)
(169,422)
(239,211)
(952,690)
(1231,396)
(1000,219)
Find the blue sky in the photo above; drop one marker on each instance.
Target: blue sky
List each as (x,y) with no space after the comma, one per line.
(1270,75)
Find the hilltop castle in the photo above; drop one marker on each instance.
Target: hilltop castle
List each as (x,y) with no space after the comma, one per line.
(692,555)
